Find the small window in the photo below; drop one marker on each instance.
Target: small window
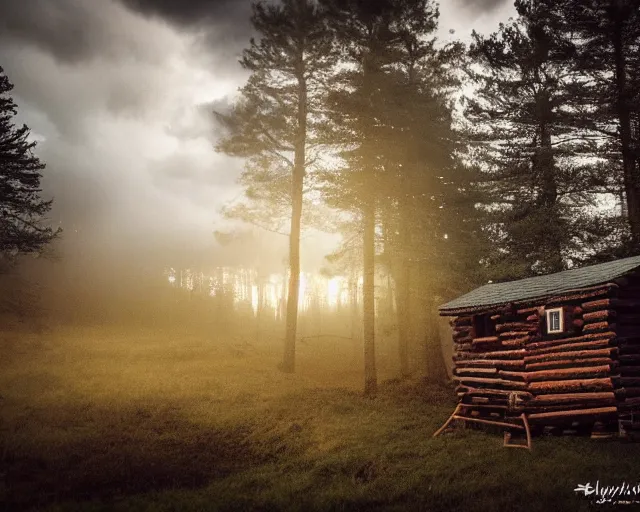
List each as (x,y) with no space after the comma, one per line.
(555,321)
(483,326)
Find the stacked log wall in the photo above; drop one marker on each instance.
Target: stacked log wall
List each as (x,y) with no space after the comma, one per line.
(485,366)
(571,377)
(626,308)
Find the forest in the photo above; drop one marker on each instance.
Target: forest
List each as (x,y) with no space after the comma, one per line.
(440,162)
(451,166)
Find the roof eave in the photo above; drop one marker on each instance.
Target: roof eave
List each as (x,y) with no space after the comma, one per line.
(490,308)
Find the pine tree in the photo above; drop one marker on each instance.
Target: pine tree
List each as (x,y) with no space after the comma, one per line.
(22,211)
(391,119)
(540,188)
(367,42)
(271,124)
(607,38)
(420,206)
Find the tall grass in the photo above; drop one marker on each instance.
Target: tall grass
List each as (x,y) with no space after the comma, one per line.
(182,417)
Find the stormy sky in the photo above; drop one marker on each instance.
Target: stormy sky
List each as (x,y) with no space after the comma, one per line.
(119,94)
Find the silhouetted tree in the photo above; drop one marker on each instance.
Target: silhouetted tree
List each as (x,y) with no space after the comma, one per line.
(424,181)
(389,116)
(531,145)
(607,38)
(367,42)
(271,123)
(22,211)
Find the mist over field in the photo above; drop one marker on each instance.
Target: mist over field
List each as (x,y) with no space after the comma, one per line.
(232,231)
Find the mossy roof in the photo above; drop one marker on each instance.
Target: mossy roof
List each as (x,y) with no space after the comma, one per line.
(495,294)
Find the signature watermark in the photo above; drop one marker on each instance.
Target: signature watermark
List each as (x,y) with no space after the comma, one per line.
(621,494)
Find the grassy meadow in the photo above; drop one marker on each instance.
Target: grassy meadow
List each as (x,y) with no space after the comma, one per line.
(117,416)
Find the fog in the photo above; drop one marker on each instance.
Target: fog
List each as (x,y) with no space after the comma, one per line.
(119,96)
(141,354)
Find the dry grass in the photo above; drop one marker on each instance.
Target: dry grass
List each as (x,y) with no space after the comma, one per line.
(92,412)
(102,418)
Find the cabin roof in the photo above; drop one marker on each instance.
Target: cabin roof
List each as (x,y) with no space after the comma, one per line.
(542,286)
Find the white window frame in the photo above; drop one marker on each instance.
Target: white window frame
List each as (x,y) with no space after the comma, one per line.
(548,316)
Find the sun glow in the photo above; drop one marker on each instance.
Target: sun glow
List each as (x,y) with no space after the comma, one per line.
(334,287)
(254,299)
(267,293)
(302,289)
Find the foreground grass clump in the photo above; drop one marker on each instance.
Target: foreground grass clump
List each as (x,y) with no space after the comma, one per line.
(101,419)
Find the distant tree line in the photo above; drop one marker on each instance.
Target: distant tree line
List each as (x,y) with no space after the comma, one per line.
(448,165)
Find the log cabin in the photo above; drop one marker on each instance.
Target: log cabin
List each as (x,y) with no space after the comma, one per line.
(554,353)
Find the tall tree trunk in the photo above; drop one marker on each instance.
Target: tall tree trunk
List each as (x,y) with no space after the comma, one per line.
(288,363)
(631,181)
(368,297)
(355,321)
(549,195)
(389,264)
(635,133)
(404,294)
(404,281)
(546,171)
(260,303)
(435,368)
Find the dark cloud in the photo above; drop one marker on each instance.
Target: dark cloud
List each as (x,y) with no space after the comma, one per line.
(72,96)
(70,30)
(121,94)
(192,12)
(225,22)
